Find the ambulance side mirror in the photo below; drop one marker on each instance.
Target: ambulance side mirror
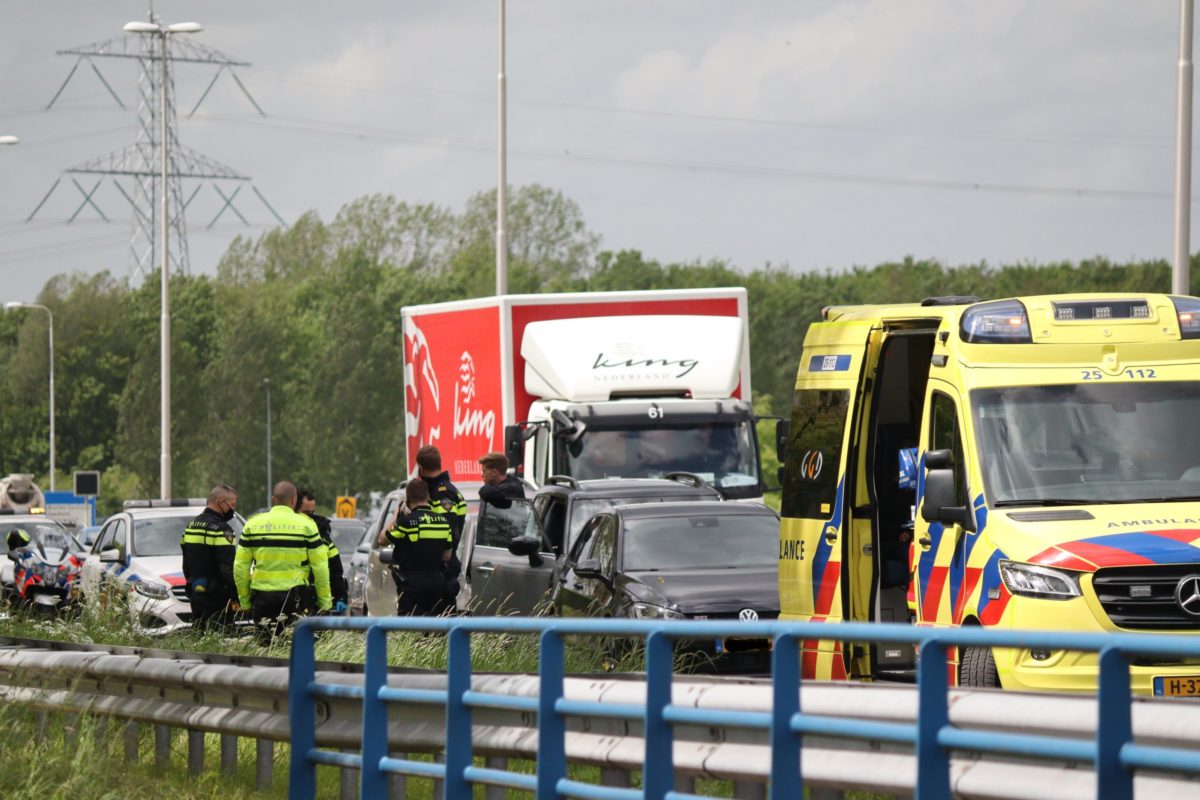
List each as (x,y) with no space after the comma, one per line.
(782,428)
(939,504)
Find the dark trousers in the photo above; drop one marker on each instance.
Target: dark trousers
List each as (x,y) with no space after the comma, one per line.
(210,610)
(450,571)
(272,611)
(420,594)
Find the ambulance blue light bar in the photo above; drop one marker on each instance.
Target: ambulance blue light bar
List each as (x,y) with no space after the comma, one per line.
(1188,311)
(1000,322)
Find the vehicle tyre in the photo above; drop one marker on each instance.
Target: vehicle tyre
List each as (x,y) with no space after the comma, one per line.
(978,668)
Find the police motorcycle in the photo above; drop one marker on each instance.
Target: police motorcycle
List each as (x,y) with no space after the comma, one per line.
(44,571)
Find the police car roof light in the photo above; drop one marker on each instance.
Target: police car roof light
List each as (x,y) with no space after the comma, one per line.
(174,502)
(1188,311)
(999,322)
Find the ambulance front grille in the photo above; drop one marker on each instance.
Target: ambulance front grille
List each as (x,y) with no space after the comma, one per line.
(1143,597)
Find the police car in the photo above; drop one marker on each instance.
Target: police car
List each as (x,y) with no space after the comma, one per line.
(138,552)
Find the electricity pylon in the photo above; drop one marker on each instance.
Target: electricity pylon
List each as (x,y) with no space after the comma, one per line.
(140,161)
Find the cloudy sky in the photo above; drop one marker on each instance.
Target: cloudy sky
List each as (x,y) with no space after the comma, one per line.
(811,135)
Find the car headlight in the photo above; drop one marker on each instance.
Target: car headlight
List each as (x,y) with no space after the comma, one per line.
(155,591)
(1028,580)
(651,611)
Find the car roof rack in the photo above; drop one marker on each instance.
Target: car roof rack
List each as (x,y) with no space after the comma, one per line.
(951,300)
(689,478)
(562,480)
(174,502)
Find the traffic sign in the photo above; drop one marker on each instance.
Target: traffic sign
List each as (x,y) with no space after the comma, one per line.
(347,507)
(87,483)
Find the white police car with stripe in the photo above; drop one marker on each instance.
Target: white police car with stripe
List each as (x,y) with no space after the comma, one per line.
(137,554)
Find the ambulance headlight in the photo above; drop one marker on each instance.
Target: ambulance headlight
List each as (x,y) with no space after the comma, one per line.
(1004,321)
(1029,580)
(153,590)
(1188,311)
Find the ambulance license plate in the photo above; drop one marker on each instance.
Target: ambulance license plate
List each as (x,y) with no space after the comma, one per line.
(1177,686)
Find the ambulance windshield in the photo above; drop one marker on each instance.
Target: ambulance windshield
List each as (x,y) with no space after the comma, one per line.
(1113,441)
(723,453)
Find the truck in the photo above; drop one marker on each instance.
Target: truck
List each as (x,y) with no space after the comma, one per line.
(1054,482)
(637,384)
(19,494)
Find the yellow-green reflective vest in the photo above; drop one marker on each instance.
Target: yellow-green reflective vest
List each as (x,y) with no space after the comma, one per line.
(282,546)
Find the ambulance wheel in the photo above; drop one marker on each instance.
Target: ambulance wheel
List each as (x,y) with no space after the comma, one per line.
(978,668)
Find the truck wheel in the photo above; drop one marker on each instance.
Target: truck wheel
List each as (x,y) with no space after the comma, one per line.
(978,668)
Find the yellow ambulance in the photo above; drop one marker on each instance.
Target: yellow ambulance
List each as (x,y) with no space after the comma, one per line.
(1055,481)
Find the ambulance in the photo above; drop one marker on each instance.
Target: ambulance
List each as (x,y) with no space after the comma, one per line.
(1055,481)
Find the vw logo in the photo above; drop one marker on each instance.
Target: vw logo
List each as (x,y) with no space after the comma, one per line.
(1187,594)
(750,615)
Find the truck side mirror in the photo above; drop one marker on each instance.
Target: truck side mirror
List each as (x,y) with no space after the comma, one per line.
(940,497)
(565,427)
(782,429)
(514,445)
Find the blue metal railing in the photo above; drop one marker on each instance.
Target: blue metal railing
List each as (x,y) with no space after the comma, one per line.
(1113,751)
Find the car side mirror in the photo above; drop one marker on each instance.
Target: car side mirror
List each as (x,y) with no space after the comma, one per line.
(527,546)
(112,556)
(939,503)
(590,568)
(385,555)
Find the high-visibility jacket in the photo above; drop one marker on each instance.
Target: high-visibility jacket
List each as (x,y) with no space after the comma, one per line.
(444,496)
(283,547)
(208,549)
(420,538)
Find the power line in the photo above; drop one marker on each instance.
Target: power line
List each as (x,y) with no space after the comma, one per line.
(1111,139)
(381,134)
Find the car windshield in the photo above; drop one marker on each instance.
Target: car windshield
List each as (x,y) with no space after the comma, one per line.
(49,534)
(584,508)
(160,536)
(721,453)
(1108,442)
(695,541)
(347,533)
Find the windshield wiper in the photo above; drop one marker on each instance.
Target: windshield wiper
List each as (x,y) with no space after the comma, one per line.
(1180,499)
(1051,501)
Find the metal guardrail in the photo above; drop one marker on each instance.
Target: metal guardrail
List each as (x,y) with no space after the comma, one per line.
(947,756)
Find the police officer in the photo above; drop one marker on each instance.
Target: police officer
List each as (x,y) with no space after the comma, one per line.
(283,547)
(307,505)
(444,496)
(16,539)
(421,542)
(499,488)
(208,549)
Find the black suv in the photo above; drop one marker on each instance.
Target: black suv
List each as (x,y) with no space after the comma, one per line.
(510,559)
(678,561)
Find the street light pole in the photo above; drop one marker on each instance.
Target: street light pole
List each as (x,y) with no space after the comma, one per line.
(1182,262)
(270,484)
(50,315)
(502,184)
(162,32)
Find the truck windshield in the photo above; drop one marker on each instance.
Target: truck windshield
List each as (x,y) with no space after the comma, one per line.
(721,453)
(1107,442)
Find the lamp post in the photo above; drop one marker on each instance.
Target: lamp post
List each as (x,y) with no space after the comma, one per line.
(1182,260)
(50,315)
(162,32)
(270,485)
(502,183)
